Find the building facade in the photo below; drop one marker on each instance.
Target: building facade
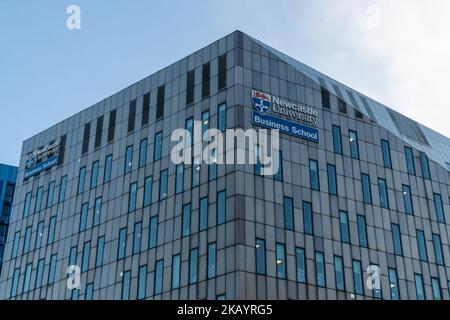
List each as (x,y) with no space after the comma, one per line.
(8,175)
(360,186)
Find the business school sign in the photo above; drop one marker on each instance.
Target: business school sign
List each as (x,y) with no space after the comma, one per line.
(42,159)
(268,108)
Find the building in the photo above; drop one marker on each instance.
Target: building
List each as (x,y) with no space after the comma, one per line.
(8,175)
(360,185)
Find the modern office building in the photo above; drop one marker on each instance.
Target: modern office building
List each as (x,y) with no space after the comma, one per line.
(8,175)
(360,185)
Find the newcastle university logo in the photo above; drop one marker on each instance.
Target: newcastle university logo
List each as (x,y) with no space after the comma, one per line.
(261,101)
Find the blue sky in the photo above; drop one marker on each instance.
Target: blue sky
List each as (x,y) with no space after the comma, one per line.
(394,51)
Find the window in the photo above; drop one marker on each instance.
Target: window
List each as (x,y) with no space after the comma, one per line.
(420,291)
(193,266)
(438,249)
(203,213)
(190,84)
(112,125)
(397,240)
(278,162)
(258,164)
(132,116)
(386,151)
(222,117)
(382,188)
(50,194)
(27,205)
(137,237)
(189,126)
(128,159)
(81,179)
(186,220)
(281,260)
(325,98)
(73,256)
(100,250)
(436,288)
(86,134)
(38,203)
(159,266)
(260,253)
(97,212)
(142,282)
(75,294)
(421,244)
(83,216)
(15,282)
(439,208)
(362,231)
(343,221)
(331,176)
(39,273)
(89,291)
(195,173)
(148,191)
(27,279)
(288,214)
(176,271)
(27,240)
(62,189)
(98,132)
(94,175)
(153,237)
(179,178)
(354,150)
(393,284)
(160,102)
(357,277)
(145,109)
(16,241)
(337,140)
(122,243)
(221,207)
(205,122)
(206,74)
(342,106)
(163,185)
(300,264)
(367,192)
(222,81)
(425,166)
(86,255)
(143,153)
(39,235)
(126,285)
(410,161)
(211,260)
(339,273)
(62,149)
(320,269)
(52,270)
(213,165)
(314,174)
(407,199)
(307,218)
(132,199)
(108,167)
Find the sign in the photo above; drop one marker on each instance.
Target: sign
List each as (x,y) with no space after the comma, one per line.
(266,106)
(41,159)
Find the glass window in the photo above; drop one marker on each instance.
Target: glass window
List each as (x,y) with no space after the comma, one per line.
(222,72)
(339,273)
(26,206)
(142,282)
(160,97)
(122,243)
(186,220)
(205,122)
(75,294)
(258,164)
(213,166)
(221,207)
(100,251)
(15,283)
(386,151)
(94,175)
(86,255)
(337,140)
(300,264)
(158,147)
(393,284)
(193,266)
(132,197)
(343,220)
(137,237)
(62,189)
(126,285)
(314,174)
(83,216)
(128,159)
(189,126)
(320,269)
(206,76)
(438,249)
(203,213)
(159,266)
(51,192)
(407,199)
(222,117)
(436,288)
(16,242)
(27,279)
(281,260)
(331,176)
(153,237)
(179,178)
(27,240)
(382,188)
(439,208)
(81,179)
(211,260)
(195,173)
(52,270)
(357,277)
(39,235)
(278,176)
(38,203)
(354,151)
(190,84)
(307,218)
(260,256)
(143,153)
(108,167)
(420,291)
(425,166)
(325,98)
(148,191)
(362,231)
(73,256)
(421,244)
(97,212)
(397,240)
(367,192)
(410,161)
(89,291)
(176,271)
(163,185)
(288,214)
(39,273)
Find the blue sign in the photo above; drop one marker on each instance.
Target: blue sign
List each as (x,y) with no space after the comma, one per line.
(50,162)
(285,126)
